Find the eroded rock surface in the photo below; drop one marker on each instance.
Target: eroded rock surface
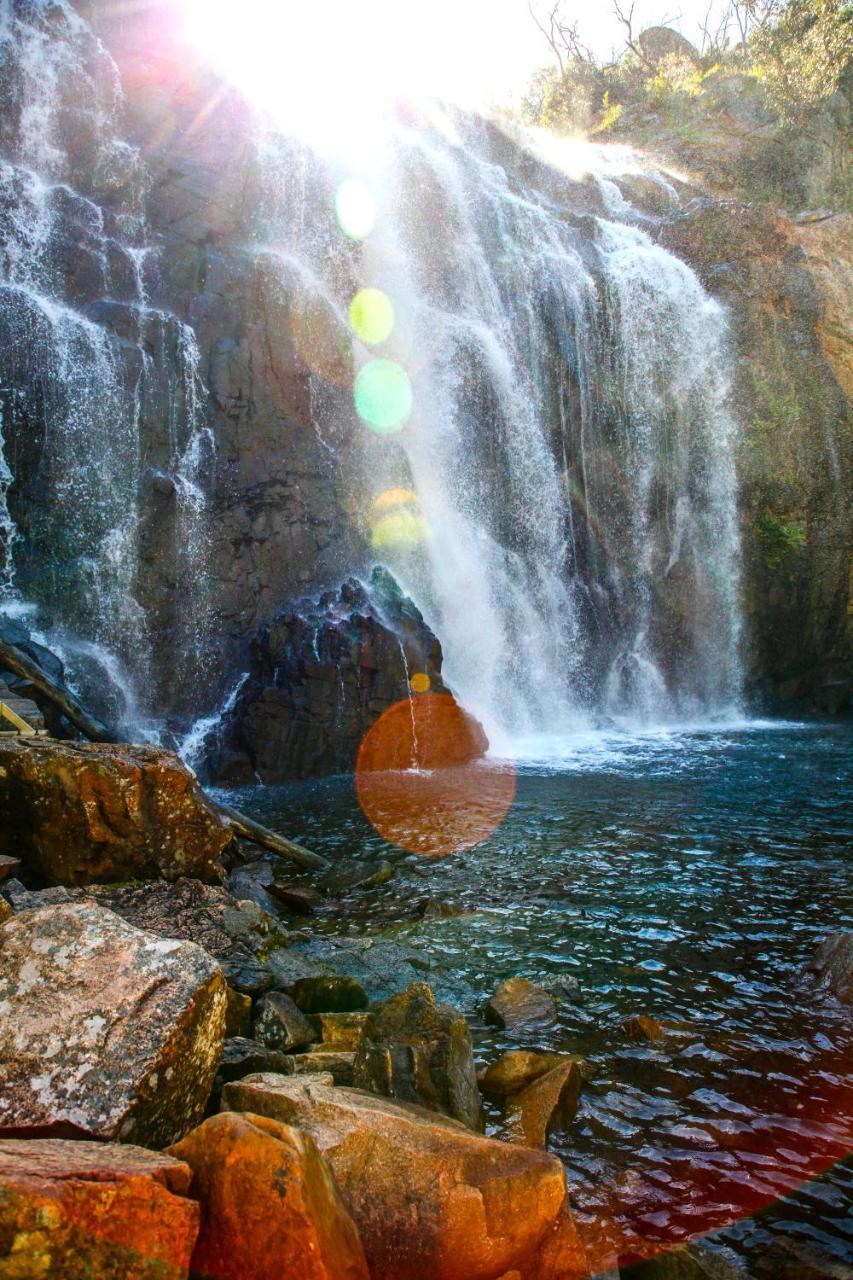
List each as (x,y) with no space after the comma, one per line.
(109,1032)
(429,1197)
(519,1005)
(417,1051)
(269,1204)
(77,813)
(74,1209)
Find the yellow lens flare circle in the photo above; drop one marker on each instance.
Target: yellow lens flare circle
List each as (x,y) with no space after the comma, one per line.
(355,209)
(383,396)
(396,520)
(420,682)
(371,315)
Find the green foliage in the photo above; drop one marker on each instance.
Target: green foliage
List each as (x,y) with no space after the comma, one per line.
(777,403)
(800,51)
(675,77)
(782,538)
(611,113)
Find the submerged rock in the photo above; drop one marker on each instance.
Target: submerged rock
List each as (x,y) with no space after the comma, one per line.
(417,1051)
(519,1005)
(695,1261)
(74,1209)
(112,1033)
(429,1197)
(269,1204)
(80,813)
(833,964)
(642,1028)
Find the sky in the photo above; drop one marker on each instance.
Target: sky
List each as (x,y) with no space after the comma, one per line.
(303,58)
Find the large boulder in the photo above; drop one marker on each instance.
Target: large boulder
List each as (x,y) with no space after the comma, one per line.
(418,1051)
(322,674)
(269,1204)
(833,965)
(240,935)
(111,1033)
(80,813)
(429,1197)
(658,43)
(517,1068)
(74,1209)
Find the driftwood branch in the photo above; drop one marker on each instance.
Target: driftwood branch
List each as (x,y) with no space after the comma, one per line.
(95,730)
(250,830)
(14,660)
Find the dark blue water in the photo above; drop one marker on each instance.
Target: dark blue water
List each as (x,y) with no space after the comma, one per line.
(684,876)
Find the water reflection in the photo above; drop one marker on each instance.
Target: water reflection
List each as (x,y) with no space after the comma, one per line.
(683,876)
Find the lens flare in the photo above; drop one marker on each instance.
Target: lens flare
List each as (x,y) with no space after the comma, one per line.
(420,682)
(355,209)
(421,780)
(383,396)
(395,498)
(371,315)
(396,520)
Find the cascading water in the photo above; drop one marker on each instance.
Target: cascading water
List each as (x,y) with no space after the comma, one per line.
(90,373)
(569,457)
(561,503)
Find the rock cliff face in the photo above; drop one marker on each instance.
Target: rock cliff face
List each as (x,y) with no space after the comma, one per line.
(235,364)
(787,291)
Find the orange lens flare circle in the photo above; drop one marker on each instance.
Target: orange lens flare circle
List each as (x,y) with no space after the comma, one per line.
(422,782)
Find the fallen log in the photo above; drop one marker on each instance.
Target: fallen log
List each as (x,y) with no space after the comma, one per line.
(251,830)
(14,660)
(96,731)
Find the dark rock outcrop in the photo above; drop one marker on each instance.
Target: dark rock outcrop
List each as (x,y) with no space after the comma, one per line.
(112,1033)
(429,1197)
(82,813)
(269,1204)
(279,1024)
(73,1209)
(417,1051)
(322,673)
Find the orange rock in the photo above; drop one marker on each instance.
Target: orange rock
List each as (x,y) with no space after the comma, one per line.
(74,1209)
(430,1198)
(561,1255)
(270,1209)
(519,1004)
(642,1028)
(548,1103)
(81,813)
(516,1069)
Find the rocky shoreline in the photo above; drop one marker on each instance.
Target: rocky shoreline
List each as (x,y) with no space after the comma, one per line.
(186,1090)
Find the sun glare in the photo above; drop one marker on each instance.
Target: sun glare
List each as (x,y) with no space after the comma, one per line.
(329,72)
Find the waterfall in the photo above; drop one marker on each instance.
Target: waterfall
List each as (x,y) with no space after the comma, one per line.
(560,503)
(90,374)
(570,447)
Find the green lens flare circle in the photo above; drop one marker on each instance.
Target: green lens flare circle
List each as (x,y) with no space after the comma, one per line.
(383,396)
(371,315)
(355,209)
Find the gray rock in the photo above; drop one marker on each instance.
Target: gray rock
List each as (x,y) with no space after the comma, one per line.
(112,1033)
(279,1024)
(417,1051)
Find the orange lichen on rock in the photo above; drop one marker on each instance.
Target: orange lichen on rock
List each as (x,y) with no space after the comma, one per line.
(72,1209)
(269,1204)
